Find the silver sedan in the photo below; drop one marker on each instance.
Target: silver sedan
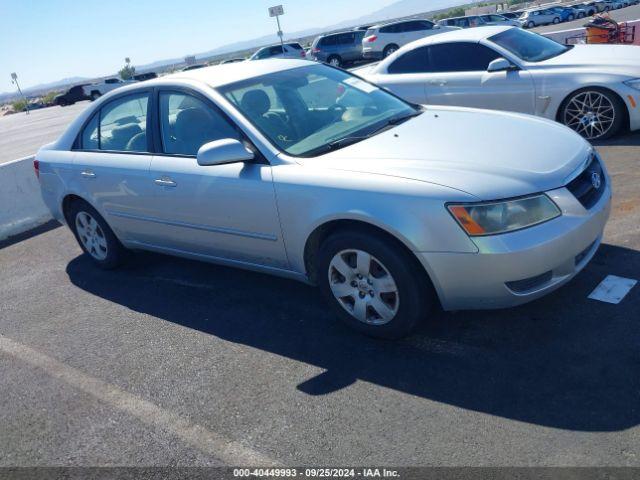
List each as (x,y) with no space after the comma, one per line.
(308,172)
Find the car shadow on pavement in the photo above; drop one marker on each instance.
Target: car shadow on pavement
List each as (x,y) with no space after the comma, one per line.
(623,139)
(563,361)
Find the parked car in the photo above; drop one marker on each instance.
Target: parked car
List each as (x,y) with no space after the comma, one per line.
(141,77)
(535,18)
(568,14)
(591,8)
(590,88)
(71,96)
(478,21)
(510,15)
(306,171)
(338,49)
(96,90)
(382,40)
(287,50)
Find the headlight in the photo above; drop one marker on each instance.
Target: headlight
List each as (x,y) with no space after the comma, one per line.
(505,216)
(635,83)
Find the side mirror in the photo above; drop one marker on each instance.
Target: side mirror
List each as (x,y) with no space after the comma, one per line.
(219,152)
(501,65)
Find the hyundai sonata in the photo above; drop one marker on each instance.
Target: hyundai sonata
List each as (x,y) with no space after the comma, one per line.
(306,171)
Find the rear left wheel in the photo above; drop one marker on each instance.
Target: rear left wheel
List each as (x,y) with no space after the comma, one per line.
(373,286)
(95,236)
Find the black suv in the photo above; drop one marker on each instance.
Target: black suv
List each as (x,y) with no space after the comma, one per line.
(71,96)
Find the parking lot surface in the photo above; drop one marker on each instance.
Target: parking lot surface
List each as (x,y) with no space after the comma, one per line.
(173,362)
(22,134)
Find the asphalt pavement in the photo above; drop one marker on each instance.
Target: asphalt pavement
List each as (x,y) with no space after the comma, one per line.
(173,362)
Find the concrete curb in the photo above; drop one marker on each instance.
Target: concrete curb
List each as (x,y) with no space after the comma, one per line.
(21,205)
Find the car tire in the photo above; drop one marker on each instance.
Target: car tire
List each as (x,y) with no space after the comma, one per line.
(556,20)
(606,104)
(94,236)
(531,24)
(571,17)
(389,49)
(401,295)
(334,61)
(95,95)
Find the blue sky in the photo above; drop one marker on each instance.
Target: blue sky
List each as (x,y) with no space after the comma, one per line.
(47,40)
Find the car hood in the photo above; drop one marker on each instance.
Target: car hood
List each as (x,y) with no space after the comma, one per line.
(488,154)
(623,59)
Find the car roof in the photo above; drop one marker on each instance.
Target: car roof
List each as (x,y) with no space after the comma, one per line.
(465,34)
(218,75)
(380,25)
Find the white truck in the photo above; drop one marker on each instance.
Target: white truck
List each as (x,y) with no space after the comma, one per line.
(96,90)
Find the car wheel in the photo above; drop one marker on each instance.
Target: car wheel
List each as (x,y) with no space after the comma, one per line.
(556,20)
(334,61)
(389,49)
(372,285)
(531,24)
(94,96)
(594,113)
(606,8)
(571,17)
(95,236)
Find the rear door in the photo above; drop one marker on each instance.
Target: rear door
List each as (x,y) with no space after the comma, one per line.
(112,163)
(224,211)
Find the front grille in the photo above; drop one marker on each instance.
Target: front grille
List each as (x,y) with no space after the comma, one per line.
(589,186)
(524,285)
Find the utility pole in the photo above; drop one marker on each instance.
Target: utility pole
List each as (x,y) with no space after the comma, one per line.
(276,12)
(14,79)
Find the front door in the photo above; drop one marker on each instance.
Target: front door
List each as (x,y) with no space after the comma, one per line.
(225,211)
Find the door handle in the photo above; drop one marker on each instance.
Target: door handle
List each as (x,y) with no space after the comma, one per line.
(165,182)
(88,174)
(440,83)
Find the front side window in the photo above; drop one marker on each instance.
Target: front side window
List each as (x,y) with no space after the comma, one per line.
(317,108)
(119,126)
(187,123)
(460,57)
(528,46)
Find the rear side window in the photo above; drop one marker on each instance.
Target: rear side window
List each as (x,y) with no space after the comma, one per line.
(460,57)
(295,46)
(119,126)
(328,41)
(187,123)
(414,61)
(395,28)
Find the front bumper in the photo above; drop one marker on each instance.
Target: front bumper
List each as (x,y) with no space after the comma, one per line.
(533,261)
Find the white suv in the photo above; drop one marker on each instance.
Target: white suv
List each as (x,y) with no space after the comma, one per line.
(381,41)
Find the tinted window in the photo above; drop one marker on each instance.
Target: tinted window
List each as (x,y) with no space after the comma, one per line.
(187,123)
(413,26)
(346,38)
(395,28)
(111,80)
(460,57)
(529,46)
(328,41)
(414,61)
(277,50)
(296,46)
(119,126)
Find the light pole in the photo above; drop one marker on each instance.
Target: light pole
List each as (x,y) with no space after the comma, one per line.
(276,12)
(14,79)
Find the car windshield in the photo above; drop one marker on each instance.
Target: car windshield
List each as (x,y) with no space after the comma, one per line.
(309,110)
(529,46)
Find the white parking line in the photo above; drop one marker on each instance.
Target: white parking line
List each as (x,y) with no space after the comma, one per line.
(212,443)
(613,289)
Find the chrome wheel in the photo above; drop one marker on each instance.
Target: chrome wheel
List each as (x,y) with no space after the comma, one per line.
(592,114)
(389,51)
(363,286)
(334,61)
(91,235)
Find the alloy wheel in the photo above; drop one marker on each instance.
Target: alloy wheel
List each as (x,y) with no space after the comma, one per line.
(590,113)
(334,62)
(364,287)
(91,235)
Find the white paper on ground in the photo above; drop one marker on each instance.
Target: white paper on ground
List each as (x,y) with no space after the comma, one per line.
(612,289)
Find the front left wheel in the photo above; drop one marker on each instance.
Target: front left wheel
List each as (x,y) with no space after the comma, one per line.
(95,236)
(594,113)
(374,286)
